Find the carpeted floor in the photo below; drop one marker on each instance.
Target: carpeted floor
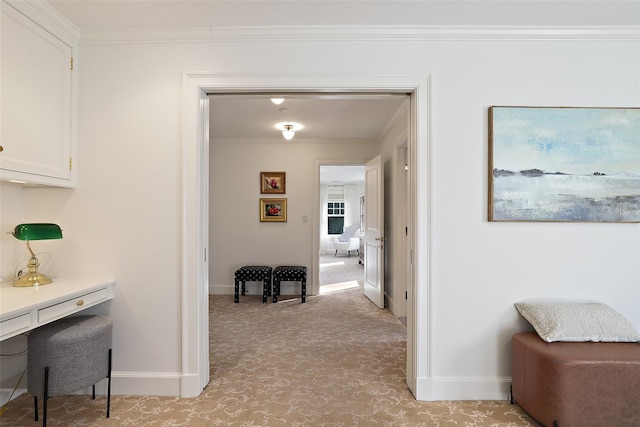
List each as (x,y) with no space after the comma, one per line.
(336,360)
(337,273)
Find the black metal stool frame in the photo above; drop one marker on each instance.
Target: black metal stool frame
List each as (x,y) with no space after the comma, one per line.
(45,394)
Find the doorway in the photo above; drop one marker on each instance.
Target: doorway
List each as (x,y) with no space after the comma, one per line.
(195,366)
(341,261)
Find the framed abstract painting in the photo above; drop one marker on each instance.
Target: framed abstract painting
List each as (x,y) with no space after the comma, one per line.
(564,164)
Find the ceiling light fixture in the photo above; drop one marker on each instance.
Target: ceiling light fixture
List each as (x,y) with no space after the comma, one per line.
(288,129)
(277,101)
(288,132)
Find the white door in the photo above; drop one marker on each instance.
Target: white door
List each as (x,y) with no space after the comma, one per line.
(374,231)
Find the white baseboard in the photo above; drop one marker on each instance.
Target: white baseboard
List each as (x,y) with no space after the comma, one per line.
(190,386)
(255,288)
(5,393)
(142,384)
(222,289)
(125,383)
(463,388)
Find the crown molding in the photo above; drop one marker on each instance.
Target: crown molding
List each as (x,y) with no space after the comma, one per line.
(363,33)
(393,121)
(43,14)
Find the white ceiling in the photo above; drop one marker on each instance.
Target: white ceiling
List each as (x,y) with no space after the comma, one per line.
(246,117)
(243,118)
(341,174)
(95,15)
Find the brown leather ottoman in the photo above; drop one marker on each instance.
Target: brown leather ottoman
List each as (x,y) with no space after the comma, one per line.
(576,384)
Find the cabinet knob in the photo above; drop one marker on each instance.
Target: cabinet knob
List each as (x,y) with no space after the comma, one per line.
(1,148)
(80,303)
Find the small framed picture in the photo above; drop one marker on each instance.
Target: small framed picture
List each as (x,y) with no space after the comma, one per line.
(273,210)
(273,182)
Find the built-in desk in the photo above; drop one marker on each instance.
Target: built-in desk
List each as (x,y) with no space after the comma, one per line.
(23,309)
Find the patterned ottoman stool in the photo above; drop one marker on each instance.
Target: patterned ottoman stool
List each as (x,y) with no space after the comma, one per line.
(289,273)
(252,273)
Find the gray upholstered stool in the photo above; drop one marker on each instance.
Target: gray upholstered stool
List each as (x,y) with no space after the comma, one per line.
(289,273)
(252,273)
(68,355)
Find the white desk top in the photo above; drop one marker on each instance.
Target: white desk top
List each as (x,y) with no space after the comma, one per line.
(34,306)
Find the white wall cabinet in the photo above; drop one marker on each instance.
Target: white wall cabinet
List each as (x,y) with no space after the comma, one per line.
(37,137)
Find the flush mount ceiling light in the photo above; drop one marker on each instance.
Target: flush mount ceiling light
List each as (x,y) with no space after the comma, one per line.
(277,101)
(288,129)
(288,132)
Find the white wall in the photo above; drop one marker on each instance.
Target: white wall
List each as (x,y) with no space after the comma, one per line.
(12,251)
(237,237)
(394,210)
(124,218)
(11,214)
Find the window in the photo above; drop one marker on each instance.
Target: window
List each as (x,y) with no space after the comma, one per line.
(335,213)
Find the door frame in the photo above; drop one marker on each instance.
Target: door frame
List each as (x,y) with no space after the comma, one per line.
(317,164)
(195,208)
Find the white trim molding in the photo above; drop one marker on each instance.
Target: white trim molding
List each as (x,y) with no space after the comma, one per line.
(142,384)
(194,286)
(363,33)
(43,14)
(463,388)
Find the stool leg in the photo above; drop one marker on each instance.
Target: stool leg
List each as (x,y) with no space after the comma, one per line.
(109,387)
(45,396)
(93,392)
(276,289)
(236,292)
(304,289)
(264,291)
(35,407)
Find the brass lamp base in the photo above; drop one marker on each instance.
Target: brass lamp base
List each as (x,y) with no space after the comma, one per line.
(32,279)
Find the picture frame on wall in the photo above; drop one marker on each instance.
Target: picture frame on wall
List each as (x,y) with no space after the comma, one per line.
(273,210)
(564,164)
(273,182)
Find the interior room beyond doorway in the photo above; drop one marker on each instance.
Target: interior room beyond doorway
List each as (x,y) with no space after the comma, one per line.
(341,254)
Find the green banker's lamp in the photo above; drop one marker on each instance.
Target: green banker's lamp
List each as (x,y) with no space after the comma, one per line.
(28,232)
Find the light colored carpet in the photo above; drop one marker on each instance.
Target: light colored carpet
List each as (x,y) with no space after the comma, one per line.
(340,269)
(336,360)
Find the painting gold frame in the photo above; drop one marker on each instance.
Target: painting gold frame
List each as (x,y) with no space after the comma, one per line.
(273,182)
(273,210)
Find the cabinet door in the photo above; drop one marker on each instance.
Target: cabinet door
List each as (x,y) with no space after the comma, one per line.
(36,103)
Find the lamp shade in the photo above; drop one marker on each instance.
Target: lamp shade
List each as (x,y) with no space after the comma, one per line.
(37,231)
(288,133)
